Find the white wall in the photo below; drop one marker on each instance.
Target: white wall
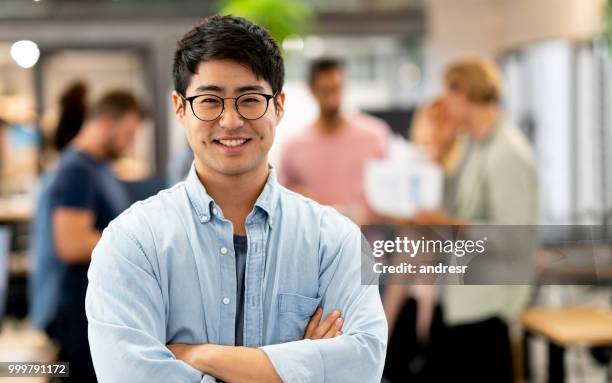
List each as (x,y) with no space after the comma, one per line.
(491,27)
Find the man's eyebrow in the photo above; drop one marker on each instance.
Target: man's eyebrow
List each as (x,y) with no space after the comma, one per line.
(219,89)
(250,88)
(209,88)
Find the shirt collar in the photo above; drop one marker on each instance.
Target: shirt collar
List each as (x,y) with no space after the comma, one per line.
(203,204)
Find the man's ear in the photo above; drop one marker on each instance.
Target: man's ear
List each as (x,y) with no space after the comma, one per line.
(179,105)
(280,105)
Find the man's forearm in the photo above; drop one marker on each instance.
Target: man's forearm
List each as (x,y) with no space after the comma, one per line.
(81,246)
(231,364)
(243,364)
(74,234)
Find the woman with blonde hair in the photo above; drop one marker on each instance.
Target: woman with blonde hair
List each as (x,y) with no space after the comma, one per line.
(411,310)
(436,131)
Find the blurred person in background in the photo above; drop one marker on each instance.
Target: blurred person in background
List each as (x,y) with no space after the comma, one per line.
(496,185)
(436,131)
(84,197)
(411,309)
(47,269)
(73,108)
(4,127)
(4,235)
(325,161)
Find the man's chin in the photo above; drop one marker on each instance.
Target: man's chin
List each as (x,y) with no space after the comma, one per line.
(230,166)
(330,113)
(235,170)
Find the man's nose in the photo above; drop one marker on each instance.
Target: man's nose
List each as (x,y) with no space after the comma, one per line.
(230,119)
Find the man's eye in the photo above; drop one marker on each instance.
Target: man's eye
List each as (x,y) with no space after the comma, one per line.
(250,100)
(208,101)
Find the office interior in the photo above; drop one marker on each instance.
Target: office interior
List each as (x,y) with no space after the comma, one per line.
(555,58)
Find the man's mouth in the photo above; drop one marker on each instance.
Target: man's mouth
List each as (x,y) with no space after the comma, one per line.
(232,142)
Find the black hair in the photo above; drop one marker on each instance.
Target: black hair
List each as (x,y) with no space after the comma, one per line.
(323,64)
(73,108)
(228,37)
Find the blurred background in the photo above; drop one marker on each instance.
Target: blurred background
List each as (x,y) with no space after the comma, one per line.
(555,57)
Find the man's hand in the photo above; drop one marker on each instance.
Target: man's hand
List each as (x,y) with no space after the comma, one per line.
(331,327)
(228,363)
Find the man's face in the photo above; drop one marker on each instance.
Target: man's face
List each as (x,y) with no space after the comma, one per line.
(229,145)
(122,133)
(327,91)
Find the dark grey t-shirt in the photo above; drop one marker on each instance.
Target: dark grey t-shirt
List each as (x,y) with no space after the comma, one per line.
(240,248)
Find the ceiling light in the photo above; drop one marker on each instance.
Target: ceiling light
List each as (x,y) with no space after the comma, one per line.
(25,53)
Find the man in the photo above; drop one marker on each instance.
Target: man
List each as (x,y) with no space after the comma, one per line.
(326,160)
(44,281)
(218,276)
(84,197)
(496,185)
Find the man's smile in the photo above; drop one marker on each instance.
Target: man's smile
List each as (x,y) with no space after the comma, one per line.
(232,144)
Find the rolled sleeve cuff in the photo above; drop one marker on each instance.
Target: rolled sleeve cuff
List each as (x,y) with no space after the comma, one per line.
(208,379)
(298,361)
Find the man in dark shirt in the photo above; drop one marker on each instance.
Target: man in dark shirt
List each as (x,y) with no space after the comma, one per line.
(84,197)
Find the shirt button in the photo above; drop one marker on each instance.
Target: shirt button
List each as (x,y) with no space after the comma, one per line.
(226,301)
(215,211)
(204,218)
(223,251)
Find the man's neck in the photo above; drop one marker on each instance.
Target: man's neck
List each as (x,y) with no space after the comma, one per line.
(89,142)
(483,121)
(329,124)
(236,195)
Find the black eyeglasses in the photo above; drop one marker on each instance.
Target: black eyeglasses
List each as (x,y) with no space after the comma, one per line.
(209,107)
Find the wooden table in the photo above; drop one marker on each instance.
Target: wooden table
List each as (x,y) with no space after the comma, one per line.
(14,216)
(566,327)
(575,265)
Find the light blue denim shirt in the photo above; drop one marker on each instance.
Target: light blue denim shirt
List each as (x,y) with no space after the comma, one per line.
(164,272)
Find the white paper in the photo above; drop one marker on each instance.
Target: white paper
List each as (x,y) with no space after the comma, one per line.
(403,184)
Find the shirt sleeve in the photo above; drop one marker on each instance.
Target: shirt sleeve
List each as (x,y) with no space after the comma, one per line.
(126,316)
(286,173)
(359,354)
(384,139)
(74,187)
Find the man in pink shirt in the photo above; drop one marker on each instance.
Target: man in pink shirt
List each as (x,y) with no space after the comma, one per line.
(325,161)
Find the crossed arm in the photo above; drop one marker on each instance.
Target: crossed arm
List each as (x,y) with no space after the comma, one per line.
(244,364)
(127,331)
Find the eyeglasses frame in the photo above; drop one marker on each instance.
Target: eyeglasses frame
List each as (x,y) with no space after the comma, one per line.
(268,97)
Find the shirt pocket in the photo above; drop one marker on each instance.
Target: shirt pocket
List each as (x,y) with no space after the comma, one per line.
(295,312)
